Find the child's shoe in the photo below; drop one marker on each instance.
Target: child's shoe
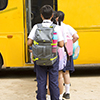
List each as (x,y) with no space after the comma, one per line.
(66,96)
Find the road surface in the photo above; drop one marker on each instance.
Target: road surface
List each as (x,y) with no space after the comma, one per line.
(20,84)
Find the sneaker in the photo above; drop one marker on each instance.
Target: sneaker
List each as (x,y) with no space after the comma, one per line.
(35,80)
(36,91)
(66,96)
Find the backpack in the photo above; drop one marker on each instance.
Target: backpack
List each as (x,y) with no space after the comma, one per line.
(76,50)
(44,46)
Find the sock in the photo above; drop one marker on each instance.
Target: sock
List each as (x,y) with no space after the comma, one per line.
(46,86)
(60,97)
(67,88)
(48,97)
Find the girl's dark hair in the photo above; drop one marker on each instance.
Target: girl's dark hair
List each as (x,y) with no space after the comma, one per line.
(60,16)
(46,11)
(54,17)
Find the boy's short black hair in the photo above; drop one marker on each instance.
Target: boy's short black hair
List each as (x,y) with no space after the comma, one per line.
(46,11)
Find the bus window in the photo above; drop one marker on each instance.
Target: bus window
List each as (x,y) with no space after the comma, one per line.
(3,4)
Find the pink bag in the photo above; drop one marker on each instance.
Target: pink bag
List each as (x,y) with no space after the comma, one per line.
(69,45)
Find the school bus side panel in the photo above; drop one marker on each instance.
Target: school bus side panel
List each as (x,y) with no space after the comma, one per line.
(12,34)
(84,16)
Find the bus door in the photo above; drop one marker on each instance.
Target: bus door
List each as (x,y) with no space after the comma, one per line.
(28,27)
(28,14)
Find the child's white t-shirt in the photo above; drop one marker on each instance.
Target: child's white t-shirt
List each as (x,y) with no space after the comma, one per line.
(46,23)
(68,29)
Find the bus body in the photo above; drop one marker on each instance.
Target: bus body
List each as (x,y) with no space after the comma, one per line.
(12,43)
(17,18)
(84,16)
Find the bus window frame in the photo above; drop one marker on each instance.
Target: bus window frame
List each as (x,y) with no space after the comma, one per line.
(4,7)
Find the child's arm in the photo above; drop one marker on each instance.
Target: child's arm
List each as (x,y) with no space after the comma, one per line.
(75,37)
(30,42)
(61,43)
(59,36)
(32,35)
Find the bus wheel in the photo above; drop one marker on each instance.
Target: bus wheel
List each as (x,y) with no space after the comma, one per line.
(1,61)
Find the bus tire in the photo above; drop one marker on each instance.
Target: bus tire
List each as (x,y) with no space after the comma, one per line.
(1,61)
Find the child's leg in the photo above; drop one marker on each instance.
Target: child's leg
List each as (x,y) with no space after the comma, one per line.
(48,92)
(53,81)
(60,81)
(66,76)
(67,84)
(41,75)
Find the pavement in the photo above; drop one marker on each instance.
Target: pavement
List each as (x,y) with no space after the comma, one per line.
(20,84)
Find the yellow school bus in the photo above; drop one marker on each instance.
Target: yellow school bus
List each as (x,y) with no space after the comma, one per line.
(17,18)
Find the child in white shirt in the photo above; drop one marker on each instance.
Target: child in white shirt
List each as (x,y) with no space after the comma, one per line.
(46,13)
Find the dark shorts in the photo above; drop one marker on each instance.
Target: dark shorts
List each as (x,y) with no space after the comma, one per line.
(69,65)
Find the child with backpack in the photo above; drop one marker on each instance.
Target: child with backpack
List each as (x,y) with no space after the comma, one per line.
(46,37)
(72,37)
(62,60)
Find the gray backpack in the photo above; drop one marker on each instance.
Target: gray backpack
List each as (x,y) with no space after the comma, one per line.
(44,49)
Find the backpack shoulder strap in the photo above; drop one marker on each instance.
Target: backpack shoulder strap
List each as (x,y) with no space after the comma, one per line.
(53,25)
(39,25)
